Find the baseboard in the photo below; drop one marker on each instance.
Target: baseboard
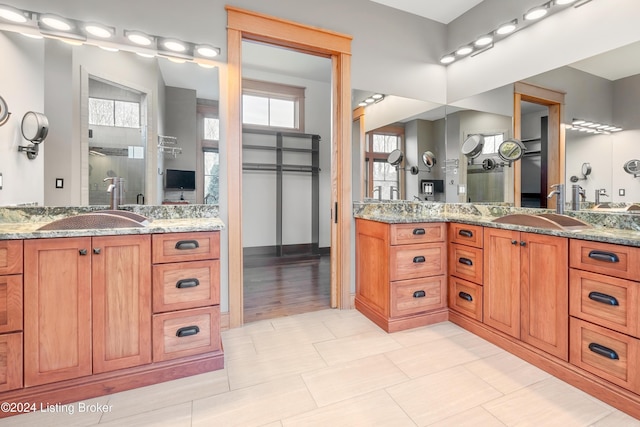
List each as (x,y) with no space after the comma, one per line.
(225,322)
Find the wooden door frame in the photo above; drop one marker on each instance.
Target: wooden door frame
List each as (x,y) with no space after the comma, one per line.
(247,25)
(554,100)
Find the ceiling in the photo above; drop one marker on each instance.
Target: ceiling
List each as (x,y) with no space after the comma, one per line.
(443,11)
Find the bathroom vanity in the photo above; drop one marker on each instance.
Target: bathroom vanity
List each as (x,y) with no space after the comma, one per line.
(565,300)
(106,310)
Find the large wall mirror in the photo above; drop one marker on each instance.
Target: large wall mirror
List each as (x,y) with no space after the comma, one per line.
(117,113)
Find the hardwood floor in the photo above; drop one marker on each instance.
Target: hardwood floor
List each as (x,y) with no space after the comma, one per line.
(276,287)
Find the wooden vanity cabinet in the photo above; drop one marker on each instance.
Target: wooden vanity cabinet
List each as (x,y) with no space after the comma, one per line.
(526,288)
(466,270)
(87,306)
(401,273)
(186,290)
(11,315)
(604,305)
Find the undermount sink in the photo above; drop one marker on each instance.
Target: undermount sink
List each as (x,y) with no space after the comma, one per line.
(98,220)
(550,221)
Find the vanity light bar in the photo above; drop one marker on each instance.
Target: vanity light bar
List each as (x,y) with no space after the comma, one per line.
(34,24)
(592,127)
(373,99)
(486,41)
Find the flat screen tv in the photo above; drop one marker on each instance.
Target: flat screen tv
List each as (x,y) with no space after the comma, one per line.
(180,180)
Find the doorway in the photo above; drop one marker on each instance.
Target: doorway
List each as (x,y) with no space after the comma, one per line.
(552,161)
(247,25)
(286,180)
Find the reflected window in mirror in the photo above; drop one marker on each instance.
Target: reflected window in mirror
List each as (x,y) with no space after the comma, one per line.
(209,137)
(267,105)
(492,142)
(382,180)
(117,140)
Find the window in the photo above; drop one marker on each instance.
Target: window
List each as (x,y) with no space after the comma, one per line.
(381,179)
(272,105)
(114,113)
(491,143)
(209,136)
(211,177)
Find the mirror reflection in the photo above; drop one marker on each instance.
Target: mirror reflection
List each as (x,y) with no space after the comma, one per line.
(111,115)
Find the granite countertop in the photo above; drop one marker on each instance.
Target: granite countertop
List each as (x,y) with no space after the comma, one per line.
(616,228)
(23,222)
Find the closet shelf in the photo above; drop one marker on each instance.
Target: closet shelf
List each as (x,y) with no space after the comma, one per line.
(168,145)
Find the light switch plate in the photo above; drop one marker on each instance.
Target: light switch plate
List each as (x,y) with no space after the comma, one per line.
(59,183)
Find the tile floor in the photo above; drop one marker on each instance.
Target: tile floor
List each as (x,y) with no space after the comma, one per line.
(336,368)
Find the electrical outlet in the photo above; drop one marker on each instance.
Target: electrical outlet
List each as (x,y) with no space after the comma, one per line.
(621,192)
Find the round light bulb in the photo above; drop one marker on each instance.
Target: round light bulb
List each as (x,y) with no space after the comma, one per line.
(207,51)
(464,50)
(12,14)
(98,31)
(484,41)
(535,13)
(447,59)
(175,45)
(55,22)
(139,38)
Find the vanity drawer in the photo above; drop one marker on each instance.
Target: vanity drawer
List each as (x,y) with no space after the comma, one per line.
(11,361)
(10,303)
(403,234)
(604,300)
(418,295)
(603,352)
(605,258)
(470,235)
(177,247)
(413,261)
(181,285)
(10,256)
(465,262)
(465,298)
(185,333)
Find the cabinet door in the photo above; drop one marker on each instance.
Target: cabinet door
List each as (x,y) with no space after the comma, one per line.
(545,293)
(121,278)
(501,298)
(57,309)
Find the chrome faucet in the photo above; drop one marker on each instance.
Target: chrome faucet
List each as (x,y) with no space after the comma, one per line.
(559,192)
(577,195)
(116,188)
(391,192)
(379,190)
(600,192)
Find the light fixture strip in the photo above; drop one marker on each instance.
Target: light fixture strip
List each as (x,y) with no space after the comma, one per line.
(486,41)
(592,127)
(33,24)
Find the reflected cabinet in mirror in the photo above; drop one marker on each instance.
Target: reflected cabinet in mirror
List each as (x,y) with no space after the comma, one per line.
(115,114)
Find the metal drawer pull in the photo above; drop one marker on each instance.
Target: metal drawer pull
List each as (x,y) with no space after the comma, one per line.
(603,351)
(604,256)
(466,296)
(419,231)
(603,298)
(187,331)
(418,259)
(465,261)
(419,294)
(187,283)
(466,233)
(187,244)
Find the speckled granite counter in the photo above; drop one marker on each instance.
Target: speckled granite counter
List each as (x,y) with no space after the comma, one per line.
(23,222)
(618,228)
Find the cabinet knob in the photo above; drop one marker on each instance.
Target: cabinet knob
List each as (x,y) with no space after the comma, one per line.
(83,252)
(96,251)
(514,242)
(523,243)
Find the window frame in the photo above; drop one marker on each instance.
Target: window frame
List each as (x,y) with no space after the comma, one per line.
(113,102)
(272,90)
(377,156)
(210,109)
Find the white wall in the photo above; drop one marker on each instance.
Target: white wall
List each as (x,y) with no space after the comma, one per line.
(22,88)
